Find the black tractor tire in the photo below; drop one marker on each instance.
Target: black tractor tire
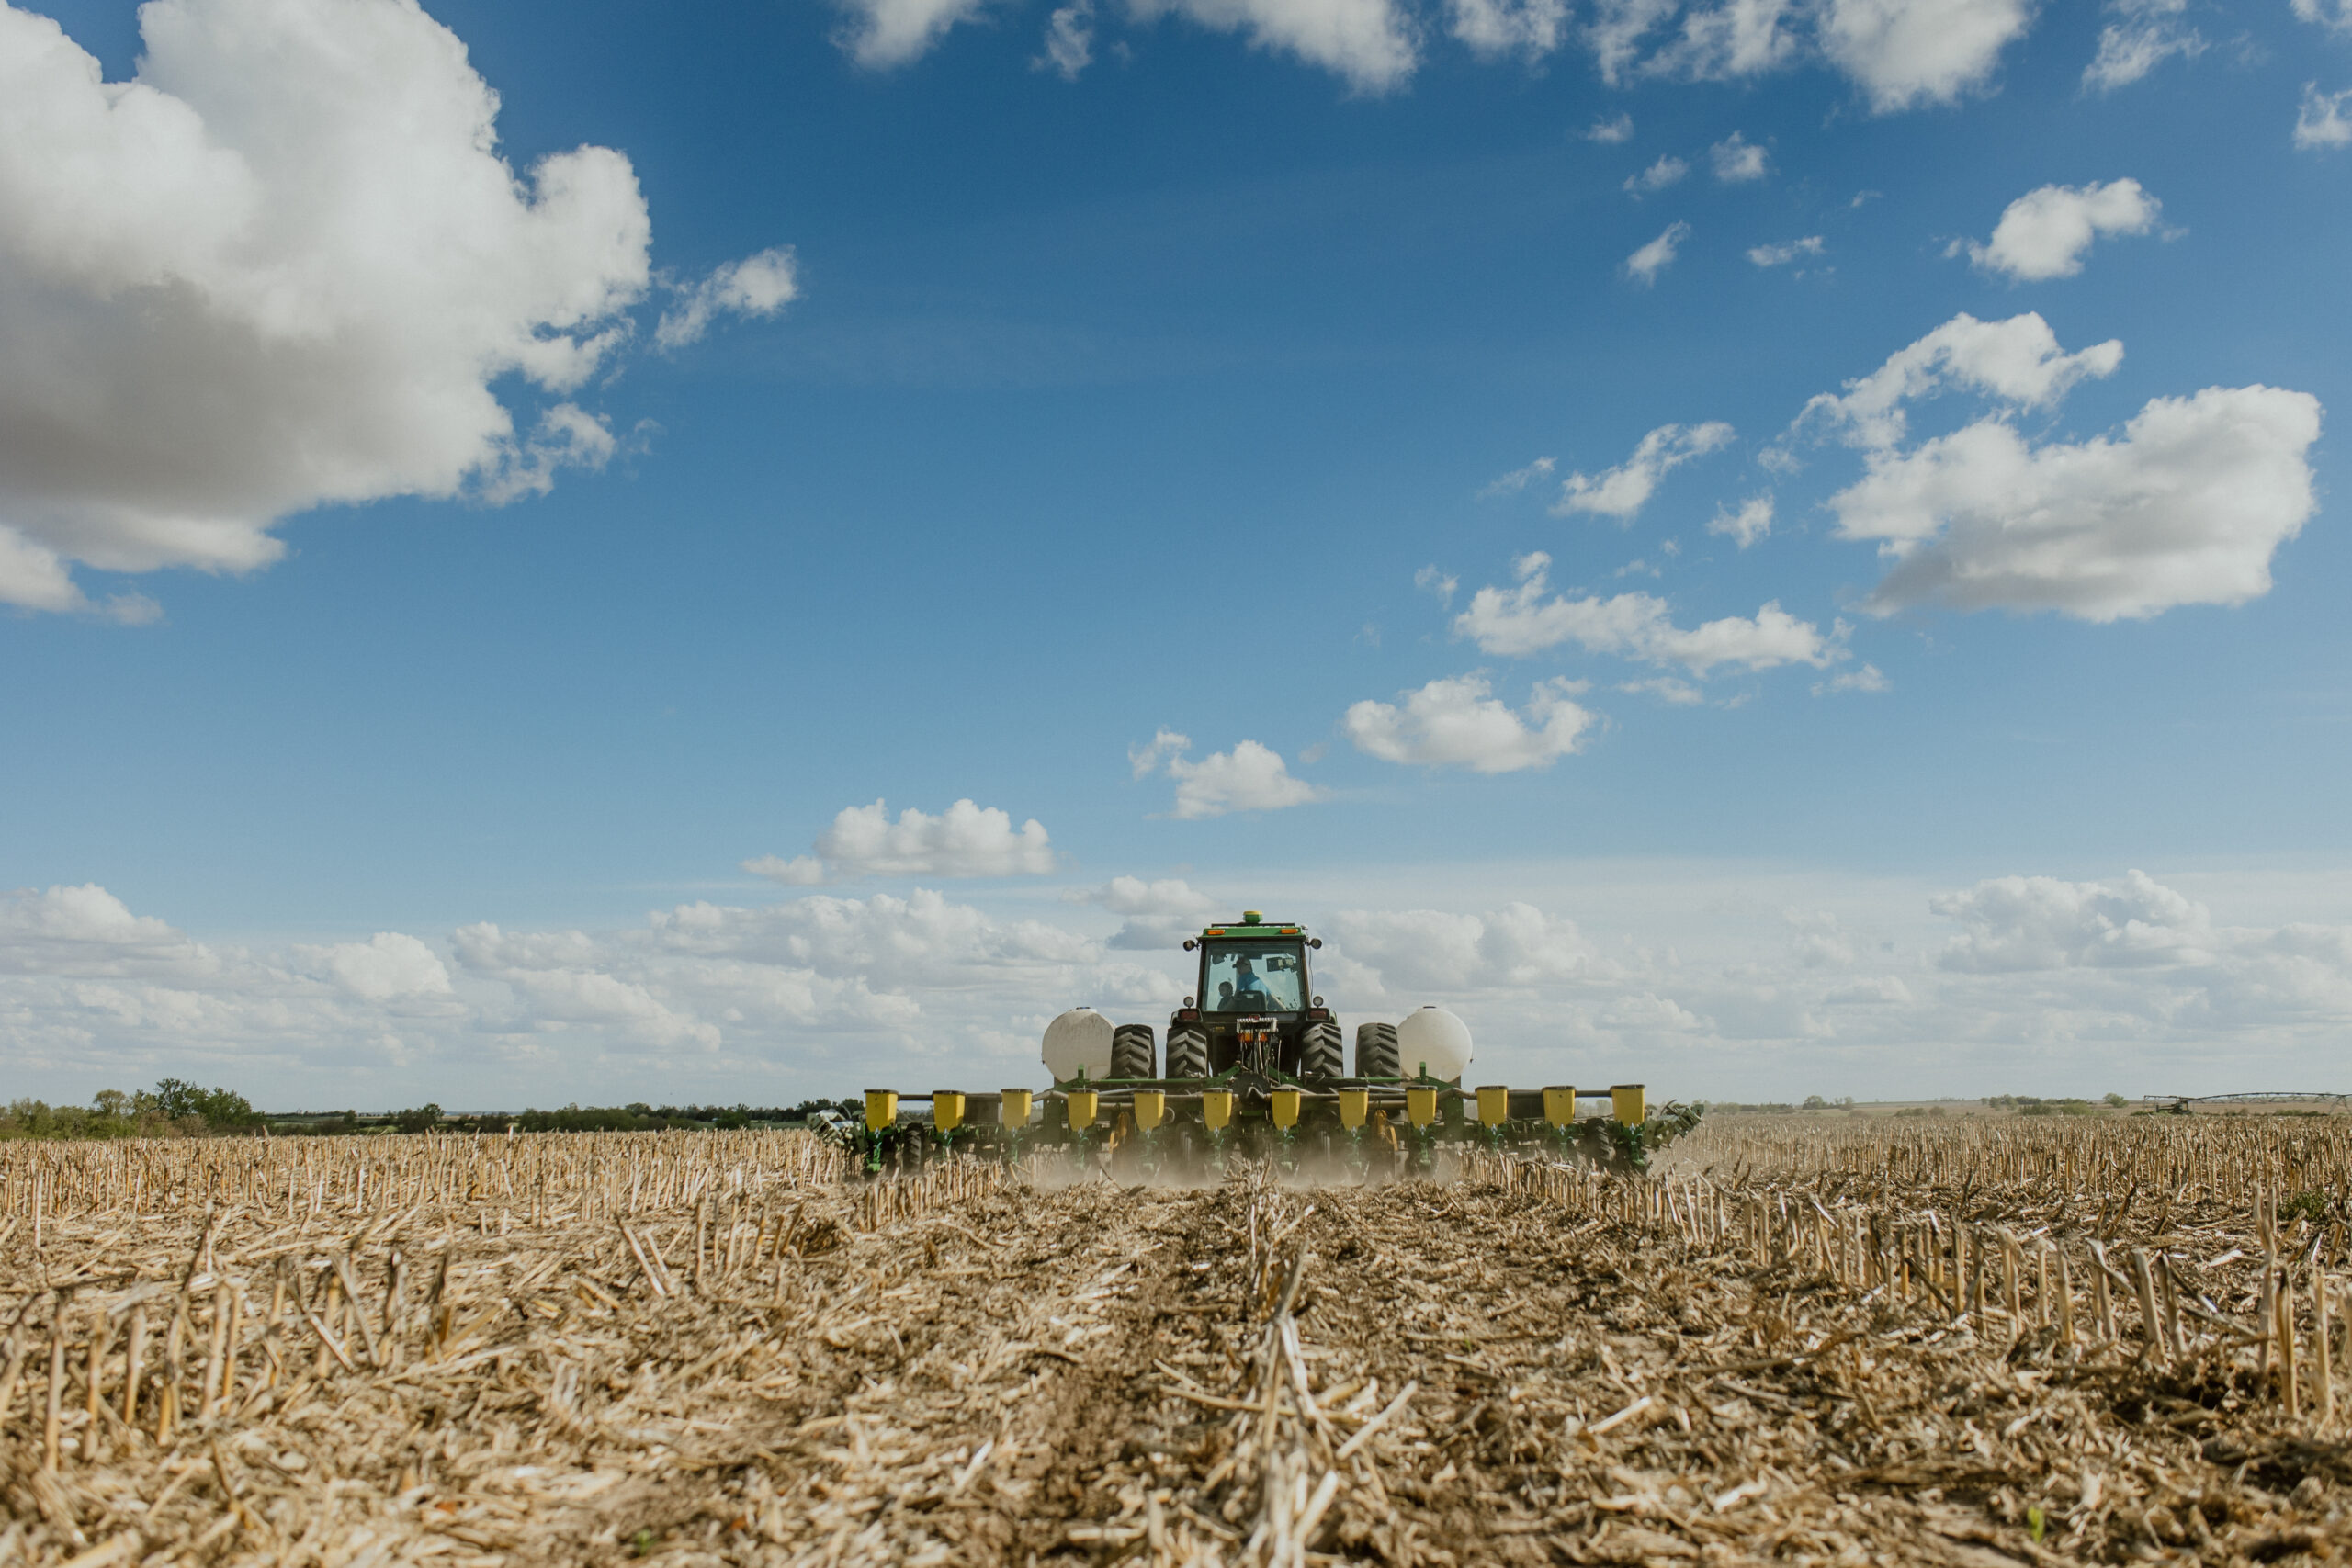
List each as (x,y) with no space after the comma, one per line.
(1376,1050)
(1320,1056)
(1132,1055)
(1188,1052)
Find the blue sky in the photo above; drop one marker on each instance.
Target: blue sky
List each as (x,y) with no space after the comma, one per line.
(436,570)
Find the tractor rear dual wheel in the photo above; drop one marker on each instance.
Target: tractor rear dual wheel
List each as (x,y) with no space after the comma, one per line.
(1320,1054)
(1377,1054)
(1188,1052)
(1132,1055)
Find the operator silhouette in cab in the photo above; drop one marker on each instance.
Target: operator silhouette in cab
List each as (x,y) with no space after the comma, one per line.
(1246,982)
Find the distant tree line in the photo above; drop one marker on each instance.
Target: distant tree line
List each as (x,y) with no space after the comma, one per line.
(177,1109)
(173,1109)
(2034,1105)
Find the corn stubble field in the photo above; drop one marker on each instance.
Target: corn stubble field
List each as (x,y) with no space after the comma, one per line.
(1791,1341)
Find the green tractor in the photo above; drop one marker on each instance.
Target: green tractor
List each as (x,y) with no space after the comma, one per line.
(1253,1044)
(1256,1065)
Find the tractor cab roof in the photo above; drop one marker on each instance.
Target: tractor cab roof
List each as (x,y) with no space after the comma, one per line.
(1252,925)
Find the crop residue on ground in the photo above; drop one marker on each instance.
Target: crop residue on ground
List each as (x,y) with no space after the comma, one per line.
(1981,1343)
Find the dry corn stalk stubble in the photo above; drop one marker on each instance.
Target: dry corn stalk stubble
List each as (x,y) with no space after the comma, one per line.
(1974,1343)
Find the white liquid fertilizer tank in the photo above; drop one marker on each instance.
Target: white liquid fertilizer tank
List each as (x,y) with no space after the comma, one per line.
(1433,1040)
(1079,1039)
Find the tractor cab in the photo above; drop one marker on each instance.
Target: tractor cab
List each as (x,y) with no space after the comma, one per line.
(1255,1002)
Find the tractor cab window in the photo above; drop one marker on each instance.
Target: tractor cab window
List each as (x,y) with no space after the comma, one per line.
(1255,978)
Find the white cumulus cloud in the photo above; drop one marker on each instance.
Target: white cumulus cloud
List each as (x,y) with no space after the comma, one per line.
(1665,689)
(1745,526)
(1609,132)
(1444,953)
(1527,619)
(1902,53)
(880,34)
(2144,34)
(2333,14)
(1669,170)
(2187,507)
(1644,265)
(2012,923)
(2046,233)
(1908,52)
(1367,43)
(1532,29)
(86,931)
(965,839)
(1159,915)
(283,266)
(1869,678)
(2325,120)
(1622,490)
(1518,480)
(1739,160)
(1458,723)
(758,285)
(1251,777)
(2017,361)
(1069,40)
(387,966)
(1782,255)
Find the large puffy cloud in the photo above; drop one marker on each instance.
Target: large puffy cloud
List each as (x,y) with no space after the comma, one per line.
(2186,508)
(965,839)
(2045,233)
(88,986)
(1908,52)
(1459,723)
(1527,619)
(284,267)
(388,964)
(2039,922)
(1446,954)
(2182,968)
(1622,491)
(1251,777)
(86,931)
(1159,915)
